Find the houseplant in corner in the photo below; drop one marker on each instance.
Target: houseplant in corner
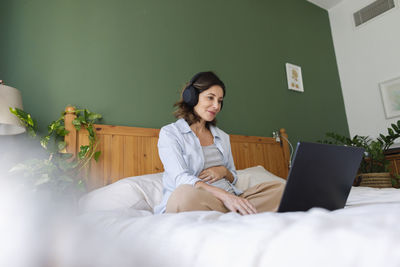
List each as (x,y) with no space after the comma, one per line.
(374,169)
(55,172)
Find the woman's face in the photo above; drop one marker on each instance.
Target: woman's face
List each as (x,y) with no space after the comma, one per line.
(209,103)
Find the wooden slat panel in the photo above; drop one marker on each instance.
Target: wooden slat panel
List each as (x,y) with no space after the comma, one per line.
(96,173)
(126,131)
(243,156)
(144,161)
(135,156)
(274,157)
(251,139)
(117,158)
(107,159)
(129,143)
(256,154)
(157,164)
(235,154)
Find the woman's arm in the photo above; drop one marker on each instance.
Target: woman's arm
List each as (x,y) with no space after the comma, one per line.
(231,165)
(232,202)
(171,155)
(216,173)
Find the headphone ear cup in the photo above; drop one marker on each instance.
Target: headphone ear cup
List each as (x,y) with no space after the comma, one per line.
(190,96)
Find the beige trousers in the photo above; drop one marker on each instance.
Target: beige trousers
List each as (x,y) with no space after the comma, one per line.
(264,197)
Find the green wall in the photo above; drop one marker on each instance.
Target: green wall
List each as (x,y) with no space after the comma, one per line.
(128,59)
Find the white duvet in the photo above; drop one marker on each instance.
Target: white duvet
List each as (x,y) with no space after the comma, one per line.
(365,233)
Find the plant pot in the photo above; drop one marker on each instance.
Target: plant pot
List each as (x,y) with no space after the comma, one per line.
(377,180)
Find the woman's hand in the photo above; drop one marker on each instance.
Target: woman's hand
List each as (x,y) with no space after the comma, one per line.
(213,174)
(238,204)
(231,202)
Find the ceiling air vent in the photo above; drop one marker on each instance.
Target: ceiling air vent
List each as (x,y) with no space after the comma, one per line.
(371,11)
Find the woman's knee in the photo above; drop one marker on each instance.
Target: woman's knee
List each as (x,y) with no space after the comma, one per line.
(183,198)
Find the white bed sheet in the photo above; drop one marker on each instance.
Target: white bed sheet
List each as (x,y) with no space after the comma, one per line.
(365,233)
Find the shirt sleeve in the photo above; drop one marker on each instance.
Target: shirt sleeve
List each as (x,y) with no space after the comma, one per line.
(171,155)
(231,165)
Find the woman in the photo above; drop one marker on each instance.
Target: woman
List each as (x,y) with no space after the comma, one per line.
(199,169)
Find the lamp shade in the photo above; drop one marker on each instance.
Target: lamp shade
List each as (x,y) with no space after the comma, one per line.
(9,123)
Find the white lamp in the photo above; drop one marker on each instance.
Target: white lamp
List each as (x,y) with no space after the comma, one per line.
(9,123)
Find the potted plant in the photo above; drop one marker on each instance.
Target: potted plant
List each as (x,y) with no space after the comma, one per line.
(374,168)
(56,172)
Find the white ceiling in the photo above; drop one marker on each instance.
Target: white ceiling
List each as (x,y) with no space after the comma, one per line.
(325,4)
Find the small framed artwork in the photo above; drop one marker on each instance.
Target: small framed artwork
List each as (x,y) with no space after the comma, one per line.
(390,91)
(294,78)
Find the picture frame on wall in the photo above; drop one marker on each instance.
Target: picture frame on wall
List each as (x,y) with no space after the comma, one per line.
(390,91)
(294,77)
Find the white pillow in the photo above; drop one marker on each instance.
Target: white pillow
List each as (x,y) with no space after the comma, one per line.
(145,191)
(136,192)
(255,175)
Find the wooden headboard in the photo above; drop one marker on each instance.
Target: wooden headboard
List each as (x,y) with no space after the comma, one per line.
(131,151)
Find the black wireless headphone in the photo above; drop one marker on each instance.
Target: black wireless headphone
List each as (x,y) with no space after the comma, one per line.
(190,94)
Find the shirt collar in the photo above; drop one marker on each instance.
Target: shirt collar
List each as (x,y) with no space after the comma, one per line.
(214,131)
(184,127)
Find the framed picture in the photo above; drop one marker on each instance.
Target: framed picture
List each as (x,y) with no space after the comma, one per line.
(390,91)
(294,78)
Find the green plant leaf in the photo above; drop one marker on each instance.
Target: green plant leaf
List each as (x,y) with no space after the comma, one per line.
(81,119)
(86,114)
(391,132)
(380,141)
(83,151)
(62,132)
(394,126)
(44,141)
(94,116)
(54,126)
(96,155)
(31,132)
(91,132)
(26,119)
(61,145)
(76,122)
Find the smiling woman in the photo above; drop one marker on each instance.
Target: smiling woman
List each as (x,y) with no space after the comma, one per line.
(186,106)
(199,170)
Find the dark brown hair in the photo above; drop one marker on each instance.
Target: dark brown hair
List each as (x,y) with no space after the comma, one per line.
(204,81)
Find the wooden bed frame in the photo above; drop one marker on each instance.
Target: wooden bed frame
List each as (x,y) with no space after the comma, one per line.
(131,151)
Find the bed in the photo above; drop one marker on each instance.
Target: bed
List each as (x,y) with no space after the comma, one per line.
(118,228)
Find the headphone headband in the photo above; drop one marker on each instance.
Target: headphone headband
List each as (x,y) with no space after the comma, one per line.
(194,78)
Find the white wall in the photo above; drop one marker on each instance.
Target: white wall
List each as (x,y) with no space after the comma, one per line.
(366,56)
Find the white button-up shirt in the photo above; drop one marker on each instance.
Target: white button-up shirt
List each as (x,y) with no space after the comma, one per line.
(182,156)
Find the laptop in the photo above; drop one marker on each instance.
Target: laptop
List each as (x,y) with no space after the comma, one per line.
(321,176)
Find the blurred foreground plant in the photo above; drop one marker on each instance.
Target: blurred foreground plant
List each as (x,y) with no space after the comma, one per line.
(58,170)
